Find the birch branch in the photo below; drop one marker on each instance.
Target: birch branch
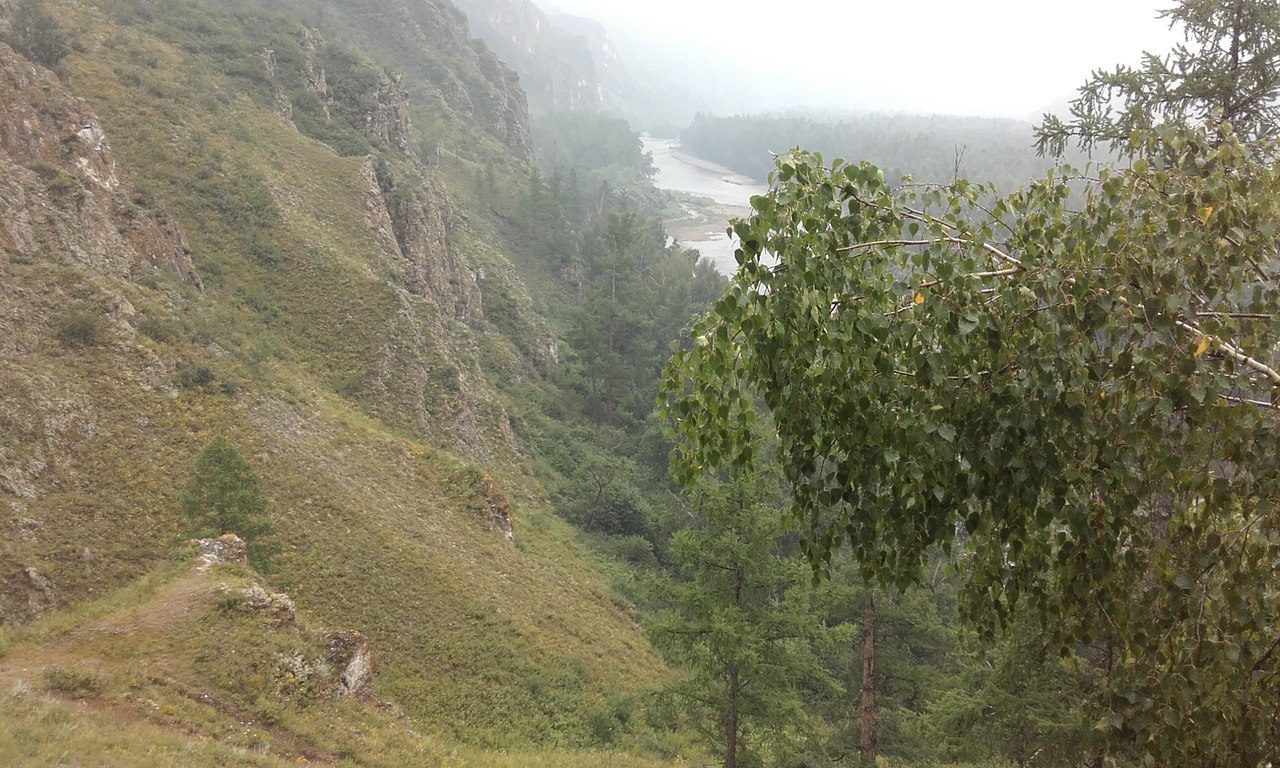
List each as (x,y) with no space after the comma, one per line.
(995,273)
(1247,401)
(924,218)
(988,247)
(1234,352)
(1222,345)
(1237,315)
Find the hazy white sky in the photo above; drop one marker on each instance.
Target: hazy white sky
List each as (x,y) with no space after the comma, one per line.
(991,57)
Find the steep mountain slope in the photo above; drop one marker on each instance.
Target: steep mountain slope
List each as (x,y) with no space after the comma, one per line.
(218,221)
(79,260)
(639,79)
(571,63)
(461,96)
(558,69)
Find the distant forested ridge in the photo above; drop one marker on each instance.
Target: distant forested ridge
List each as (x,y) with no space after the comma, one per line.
(932,148)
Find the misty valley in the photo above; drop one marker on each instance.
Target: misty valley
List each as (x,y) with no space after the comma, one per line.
(511,383)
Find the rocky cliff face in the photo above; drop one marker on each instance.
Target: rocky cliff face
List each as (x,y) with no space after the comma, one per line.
(559,68)
(77,256)
(608,62)
(495,100)
(426,373)
(448,75)
(379,109)
(61,191)
(387,119)
(420,219)
(312,73)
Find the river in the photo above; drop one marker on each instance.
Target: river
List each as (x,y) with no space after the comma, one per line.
(705,223)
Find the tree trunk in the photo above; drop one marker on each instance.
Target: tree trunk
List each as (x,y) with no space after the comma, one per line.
(731,722)
(868,724)
(735,685)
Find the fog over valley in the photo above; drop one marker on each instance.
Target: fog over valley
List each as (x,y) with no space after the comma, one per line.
(1007,58)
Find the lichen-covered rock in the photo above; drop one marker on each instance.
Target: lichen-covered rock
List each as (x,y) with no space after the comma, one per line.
(330,663)
(341,663)
(349,652)
(25,595)
(296,673)
(276,606)
(227,548)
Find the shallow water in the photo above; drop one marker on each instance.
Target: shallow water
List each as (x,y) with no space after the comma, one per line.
(722,186)
(725,187)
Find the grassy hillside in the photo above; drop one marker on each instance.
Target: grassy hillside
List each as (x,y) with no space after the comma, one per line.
(176,670)
(348,330)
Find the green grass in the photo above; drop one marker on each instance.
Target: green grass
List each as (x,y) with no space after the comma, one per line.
(38,731)
(466,620)
(523,648)
(165,671)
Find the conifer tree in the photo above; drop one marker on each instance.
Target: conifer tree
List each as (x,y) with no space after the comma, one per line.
(742,625)
(1223,73)
(222,496)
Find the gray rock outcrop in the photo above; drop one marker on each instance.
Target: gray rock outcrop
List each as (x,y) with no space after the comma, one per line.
(349,652)
(227,548)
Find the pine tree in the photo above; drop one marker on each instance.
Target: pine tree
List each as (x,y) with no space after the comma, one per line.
(1225,72)
(742,625)
(222,496)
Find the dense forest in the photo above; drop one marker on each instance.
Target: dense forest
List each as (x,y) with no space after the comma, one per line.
(930,148)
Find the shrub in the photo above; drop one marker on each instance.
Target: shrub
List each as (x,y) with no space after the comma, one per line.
(154,329)
(608,722)
(603,497)
(269,712)
(72,680)
(633,549)
(192,375)
(230,600)
(34,33)
(64,186)
(350,385)
(262,251)
(603,727)
(79,328)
